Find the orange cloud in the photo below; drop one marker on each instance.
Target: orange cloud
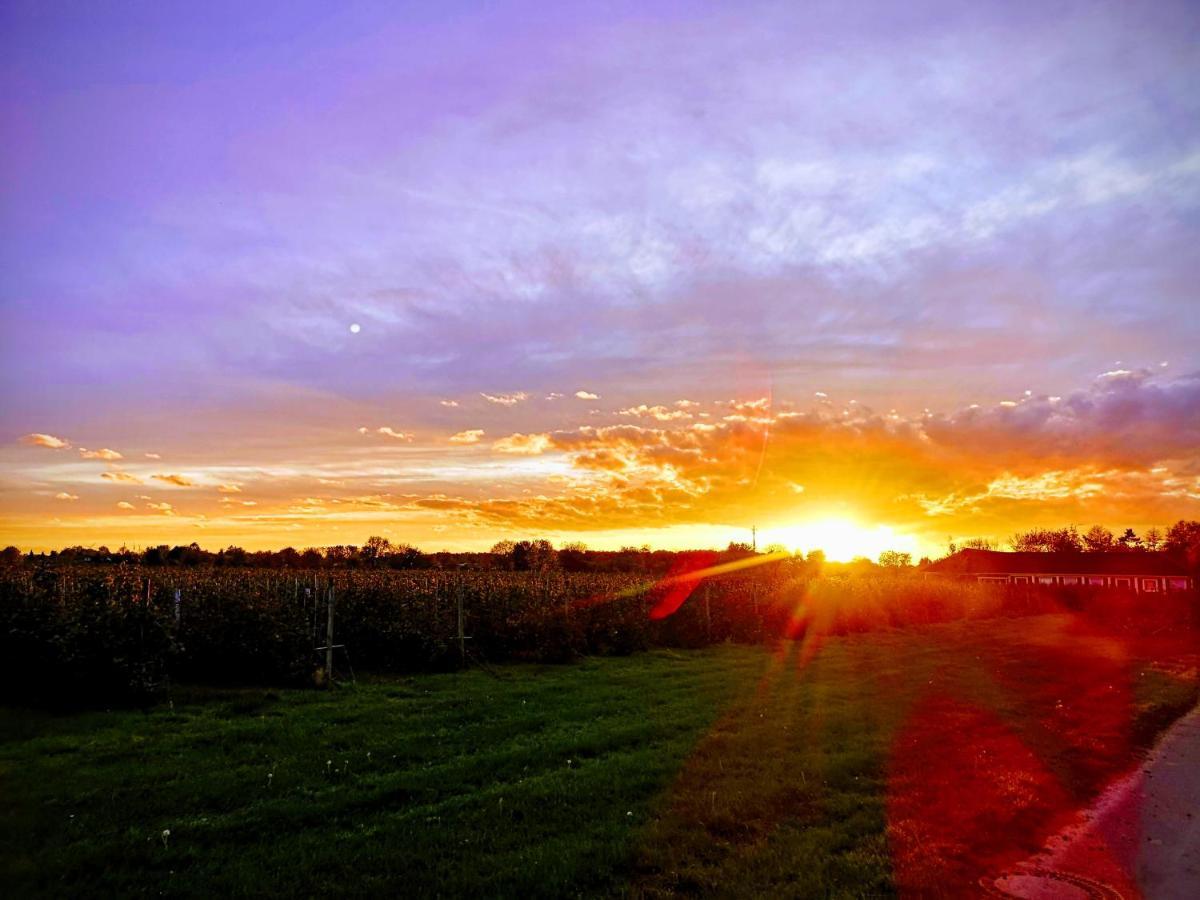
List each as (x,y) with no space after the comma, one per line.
(102,453)
(523,444)
(63,495)
(165,508)
(124,504)
(45,440)
(587,395)
(123,477)
(229,488)
(467,437)
(177,480)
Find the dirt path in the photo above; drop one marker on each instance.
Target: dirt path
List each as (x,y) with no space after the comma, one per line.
(1140,839)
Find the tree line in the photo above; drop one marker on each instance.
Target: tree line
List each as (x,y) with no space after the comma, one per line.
(1181,540)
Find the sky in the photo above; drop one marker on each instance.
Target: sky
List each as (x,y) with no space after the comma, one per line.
(869,274)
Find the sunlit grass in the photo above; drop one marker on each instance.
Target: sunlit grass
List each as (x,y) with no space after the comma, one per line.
(733,770)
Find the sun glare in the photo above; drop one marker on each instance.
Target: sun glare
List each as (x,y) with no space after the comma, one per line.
(841,540)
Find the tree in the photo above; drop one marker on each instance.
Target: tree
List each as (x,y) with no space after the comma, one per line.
(573,557)
(406,556)
(1046,540)
(1099,539)
(980,544)
(1129,540)
(815,562)
(534,556)
(894,559)
(376,550)
(1183,542)
(1153,539)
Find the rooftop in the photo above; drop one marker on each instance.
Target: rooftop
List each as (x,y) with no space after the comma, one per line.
(983,562)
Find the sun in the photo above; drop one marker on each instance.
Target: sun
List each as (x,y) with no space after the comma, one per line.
(841,539)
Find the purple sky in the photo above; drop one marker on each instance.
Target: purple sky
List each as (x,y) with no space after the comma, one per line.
(909,205)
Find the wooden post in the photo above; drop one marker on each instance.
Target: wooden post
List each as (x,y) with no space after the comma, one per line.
(462,638)
(707,612)
(329,640)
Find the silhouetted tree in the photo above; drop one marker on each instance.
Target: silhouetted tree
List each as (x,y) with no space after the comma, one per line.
(894,559)
(980,544)
(1099,539)
(1129,541)
(1153,539)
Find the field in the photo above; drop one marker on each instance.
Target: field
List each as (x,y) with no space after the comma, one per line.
(851,765)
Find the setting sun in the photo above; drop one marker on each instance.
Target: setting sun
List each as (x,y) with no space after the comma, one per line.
(841,539)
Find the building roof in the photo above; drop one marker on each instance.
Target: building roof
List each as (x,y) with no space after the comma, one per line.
(986,562)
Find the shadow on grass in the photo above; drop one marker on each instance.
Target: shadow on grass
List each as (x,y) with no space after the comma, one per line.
(919,762)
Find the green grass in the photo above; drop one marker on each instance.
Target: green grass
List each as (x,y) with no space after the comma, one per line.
(724,771)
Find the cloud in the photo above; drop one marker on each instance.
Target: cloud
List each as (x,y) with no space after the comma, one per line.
(124,504)
(45,440)
(165,508)
(660,413)
(398,435)
(363,429)
(587,395)
(448,403)
(229,488)
(122,477)
(471,436)
(523,444)
(1123,449)
(152,455)
(177,480)
(554,395)
(103,453)
(63,495)
(505,399)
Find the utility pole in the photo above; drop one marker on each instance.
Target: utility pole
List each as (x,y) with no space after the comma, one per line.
(754,538)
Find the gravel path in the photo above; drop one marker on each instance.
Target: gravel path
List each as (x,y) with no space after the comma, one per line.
(1140,839)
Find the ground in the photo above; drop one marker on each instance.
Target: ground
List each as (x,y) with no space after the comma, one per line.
(816,768)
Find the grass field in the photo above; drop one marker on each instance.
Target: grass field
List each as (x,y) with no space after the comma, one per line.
(731,770)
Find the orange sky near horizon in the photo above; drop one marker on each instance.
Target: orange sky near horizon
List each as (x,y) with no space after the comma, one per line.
(827,474)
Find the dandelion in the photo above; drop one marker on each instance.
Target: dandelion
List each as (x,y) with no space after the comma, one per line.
(270,778)
(166,836)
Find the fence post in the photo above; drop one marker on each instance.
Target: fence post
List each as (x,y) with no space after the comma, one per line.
(462,638)
(329,639)
(707,612)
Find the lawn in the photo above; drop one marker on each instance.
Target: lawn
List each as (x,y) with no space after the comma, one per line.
(913,759)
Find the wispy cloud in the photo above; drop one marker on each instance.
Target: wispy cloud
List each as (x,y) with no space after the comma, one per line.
(659,413)
(471,436)
(102,453)
(63,495)
(505,399)
(124,504)
(587,395)
(229,488)
(386,431)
